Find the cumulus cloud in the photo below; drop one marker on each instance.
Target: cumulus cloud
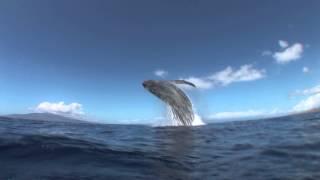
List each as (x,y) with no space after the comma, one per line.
(309,103)
(305,69)
(245,73)
(228,76)
(289,53)
(72,109)
(310,91)
(221,78)
(283,44)
(161,73)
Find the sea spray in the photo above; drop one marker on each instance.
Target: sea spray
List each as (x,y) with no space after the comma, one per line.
(169,119)
(197,121)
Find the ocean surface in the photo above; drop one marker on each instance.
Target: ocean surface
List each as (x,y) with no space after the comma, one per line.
(282,148)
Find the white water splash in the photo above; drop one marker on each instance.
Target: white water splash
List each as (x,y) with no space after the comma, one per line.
(171,121)
(197,120)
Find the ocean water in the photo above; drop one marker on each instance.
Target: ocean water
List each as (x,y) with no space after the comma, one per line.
(283,148)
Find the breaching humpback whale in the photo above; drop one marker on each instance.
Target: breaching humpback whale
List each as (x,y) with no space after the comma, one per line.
(178,101)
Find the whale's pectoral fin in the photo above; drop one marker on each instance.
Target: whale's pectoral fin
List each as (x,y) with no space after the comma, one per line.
(183,82)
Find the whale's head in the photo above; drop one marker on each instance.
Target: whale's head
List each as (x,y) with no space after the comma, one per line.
(153,86)
(146,84)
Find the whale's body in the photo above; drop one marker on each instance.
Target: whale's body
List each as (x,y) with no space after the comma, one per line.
(172,95)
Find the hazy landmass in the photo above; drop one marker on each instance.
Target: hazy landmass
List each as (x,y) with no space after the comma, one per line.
(42,117)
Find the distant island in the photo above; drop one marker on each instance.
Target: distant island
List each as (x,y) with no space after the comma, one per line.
(41,117)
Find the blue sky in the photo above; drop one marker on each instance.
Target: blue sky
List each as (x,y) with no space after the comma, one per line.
(248,57)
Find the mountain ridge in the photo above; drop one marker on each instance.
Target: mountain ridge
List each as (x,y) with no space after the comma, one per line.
(42,117)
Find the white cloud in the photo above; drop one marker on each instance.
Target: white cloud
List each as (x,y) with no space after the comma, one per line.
(245,73)
(221,78)
(289,54)
(309,103)
(305,69)
(283,44)
(310,91)
(72,109)
(226,77)
(161,73)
